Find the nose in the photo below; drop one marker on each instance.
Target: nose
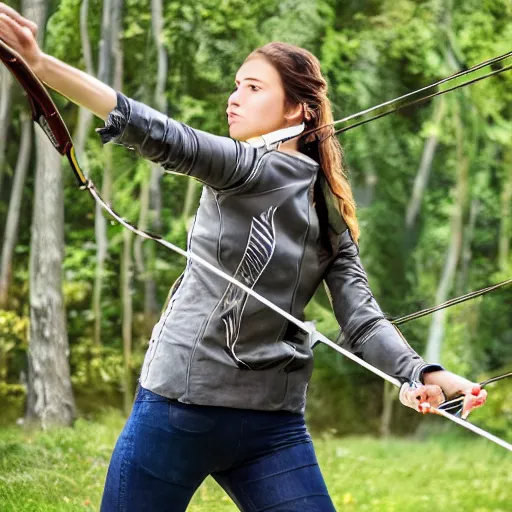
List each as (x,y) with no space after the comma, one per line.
(234,99)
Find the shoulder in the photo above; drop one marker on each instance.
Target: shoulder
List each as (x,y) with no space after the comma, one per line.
(296,155)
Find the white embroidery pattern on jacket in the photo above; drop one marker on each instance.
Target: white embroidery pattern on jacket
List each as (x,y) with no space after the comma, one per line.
(259,251)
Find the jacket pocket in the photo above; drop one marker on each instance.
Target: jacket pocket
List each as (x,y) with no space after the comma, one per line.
(291,353)
(301,343)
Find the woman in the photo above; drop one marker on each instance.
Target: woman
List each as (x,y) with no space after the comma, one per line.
(223,385)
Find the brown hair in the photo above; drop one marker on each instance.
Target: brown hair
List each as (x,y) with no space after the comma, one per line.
(304,84)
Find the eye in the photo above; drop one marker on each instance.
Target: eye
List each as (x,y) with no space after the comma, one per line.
(253,88)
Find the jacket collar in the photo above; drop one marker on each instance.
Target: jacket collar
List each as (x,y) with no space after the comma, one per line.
(273,139)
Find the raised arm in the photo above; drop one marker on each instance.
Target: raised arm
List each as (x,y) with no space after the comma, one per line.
(217,161)
(220,162)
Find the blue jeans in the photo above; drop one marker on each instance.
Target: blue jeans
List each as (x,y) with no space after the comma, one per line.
(263,460)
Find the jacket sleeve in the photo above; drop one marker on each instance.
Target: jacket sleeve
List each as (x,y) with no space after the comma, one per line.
(365,330)
(219,162)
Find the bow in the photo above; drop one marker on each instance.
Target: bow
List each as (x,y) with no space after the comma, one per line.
(46,115)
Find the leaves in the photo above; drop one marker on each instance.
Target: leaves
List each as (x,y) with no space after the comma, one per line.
(371,51)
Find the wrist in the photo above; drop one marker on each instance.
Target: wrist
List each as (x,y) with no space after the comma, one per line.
(38,65)
(425,370)
(433,377)
(451,384)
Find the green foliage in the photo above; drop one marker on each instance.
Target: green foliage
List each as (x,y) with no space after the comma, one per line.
(62,29)
(370,51)
(12,401)
(496,416)
(13,341)
(97,374)
(96,366)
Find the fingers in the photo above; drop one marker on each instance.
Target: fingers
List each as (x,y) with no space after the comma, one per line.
(20,39)
(18,18)
(6,33)
(430,394)
(422,398)
(11,31)
(475,397)
(427,398)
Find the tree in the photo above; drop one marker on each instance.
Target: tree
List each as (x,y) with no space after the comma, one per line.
(13,215)
(50,397)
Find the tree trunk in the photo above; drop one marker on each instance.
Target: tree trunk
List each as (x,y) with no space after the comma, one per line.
(389,396)
(143,225)
(506,218)
(50,397)
(105,44)
(127,312)
(144,256)
(466,253)
(150,195)
(5,111)
(117,49)
(436,333)
(157,22)
(84,115)
(100,223)
(126,257)
(421,180)
(100,230)
(13,215)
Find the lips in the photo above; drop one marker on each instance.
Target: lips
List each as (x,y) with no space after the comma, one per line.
(232,117)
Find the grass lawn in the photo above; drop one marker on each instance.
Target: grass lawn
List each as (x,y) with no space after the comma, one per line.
(64,470)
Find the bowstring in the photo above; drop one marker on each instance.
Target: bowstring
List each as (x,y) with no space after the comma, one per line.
(496,65)
(452,302)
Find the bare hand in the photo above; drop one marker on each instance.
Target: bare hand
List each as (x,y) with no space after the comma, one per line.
(421,398)
(474,397)
(453,385)
(18,18)
(20,34)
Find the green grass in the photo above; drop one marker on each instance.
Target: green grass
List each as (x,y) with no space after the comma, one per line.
(64,470)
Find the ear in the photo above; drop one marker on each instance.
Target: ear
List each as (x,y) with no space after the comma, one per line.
(295,114)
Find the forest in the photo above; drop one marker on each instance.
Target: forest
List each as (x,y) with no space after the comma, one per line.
(80,294)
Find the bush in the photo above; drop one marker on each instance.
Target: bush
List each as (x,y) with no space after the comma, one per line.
(12,402)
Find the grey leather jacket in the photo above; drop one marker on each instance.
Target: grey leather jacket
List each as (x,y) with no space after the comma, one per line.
(258,220)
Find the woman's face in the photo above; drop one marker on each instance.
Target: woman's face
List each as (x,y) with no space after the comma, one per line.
(257,105)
